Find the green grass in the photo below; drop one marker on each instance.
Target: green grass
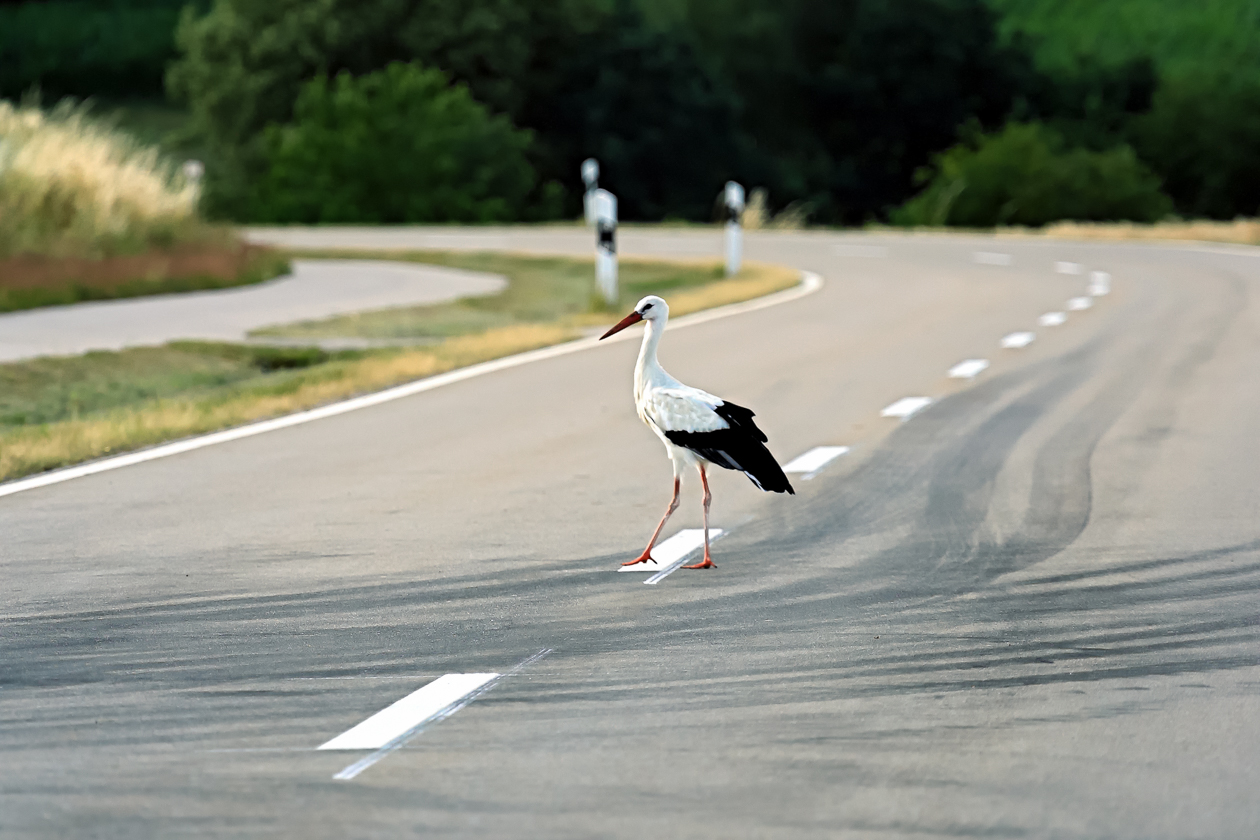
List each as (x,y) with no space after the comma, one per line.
(540,289)
(51,389)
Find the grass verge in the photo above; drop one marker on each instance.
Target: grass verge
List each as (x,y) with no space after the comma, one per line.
(30,281)
(59,411)
(1239,231)
(540,290)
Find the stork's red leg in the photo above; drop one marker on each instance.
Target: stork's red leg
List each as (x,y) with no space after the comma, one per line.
(708,497)
(647,552)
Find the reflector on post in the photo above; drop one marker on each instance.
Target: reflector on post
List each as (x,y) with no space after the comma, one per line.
(734,204)
(590,177)
(604,205)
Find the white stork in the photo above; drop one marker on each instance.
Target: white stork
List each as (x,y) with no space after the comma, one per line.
(696,427)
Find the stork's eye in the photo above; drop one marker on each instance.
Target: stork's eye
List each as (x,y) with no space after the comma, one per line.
(646,307)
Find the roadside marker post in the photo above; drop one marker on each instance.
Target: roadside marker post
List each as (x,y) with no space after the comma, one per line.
(590,177)
(605,206)
(734,232)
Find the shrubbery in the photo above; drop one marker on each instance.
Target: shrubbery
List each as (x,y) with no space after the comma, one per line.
(398,145)
(1026,175)
(1203,135)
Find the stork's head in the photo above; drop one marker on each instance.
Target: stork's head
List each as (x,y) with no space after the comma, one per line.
(651,308)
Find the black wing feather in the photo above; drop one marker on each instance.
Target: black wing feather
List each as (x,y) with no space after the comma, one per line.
(741,447)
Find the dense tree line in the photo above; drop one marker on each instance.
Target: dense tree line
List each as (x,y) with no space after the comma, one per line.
(851,107)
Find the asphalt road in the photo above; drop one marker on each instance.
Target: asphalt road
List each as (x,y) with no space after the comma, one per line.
(316,289)
(1031,609)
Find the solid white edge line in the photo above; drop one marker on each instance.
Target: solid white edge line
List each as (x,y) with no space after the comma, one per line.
(810,283)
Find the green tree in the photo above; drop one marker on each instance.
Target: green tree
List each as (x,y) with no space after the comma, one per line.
(1203,136)
(1026,175)
(850,97)
(397,145)
(243,63)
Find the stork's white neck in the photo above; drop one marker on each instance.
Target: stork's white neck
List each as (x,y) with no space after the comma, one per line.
(647,370)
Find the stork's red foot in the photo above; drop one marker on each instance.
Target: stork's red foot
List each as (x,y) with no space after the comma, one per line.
(707,563)
(642,558)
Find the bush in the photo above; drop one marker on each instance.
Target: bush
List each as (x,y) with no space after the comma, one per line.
(398,145)
(1203,136)
(1025,175)
(70,185)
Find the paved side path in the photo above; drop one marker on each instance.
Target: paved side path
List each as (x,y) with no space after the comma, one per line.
(316,289)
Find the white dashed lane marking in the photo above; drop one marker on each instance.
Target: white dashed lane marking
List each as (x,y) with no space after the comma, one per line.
(968,369)
(812,462)
(991,258)
(1099,283)
(391,728)
(1069,268)
(905,407)
(1076,304)
(1052,319)
(676,549)
(416,708)
(1016,340)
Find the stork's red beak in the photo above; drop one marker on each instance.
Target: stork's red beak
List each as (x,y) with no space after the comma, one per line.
(632,318)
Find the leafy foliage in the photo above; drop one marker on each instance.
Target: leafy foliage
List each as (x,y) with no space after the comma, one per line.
(398,145)
(1025,175)
(1203,136)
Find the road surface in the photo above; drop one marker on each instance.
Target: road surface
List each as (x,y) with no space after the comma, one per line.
(316,289)
(1029,609)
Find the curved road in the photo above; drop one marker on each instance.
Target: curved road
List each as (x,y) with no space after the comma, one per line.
(1031,609)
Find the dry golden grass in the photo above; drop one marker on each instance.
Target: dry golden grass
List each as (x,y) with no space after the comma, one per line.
(1240,231)
(756,280)
(70,185)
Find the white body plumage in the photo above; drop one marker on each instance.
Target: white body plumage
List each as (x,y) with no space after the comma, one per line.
(696,427)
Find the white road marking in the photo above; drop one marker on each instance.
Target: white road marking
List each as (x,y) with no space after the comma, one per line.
(968,369)
(1069,268)
(1099,283)
(674,551)
(812,462)
(810,283)
(416,708)
(1052,319)
(848,250)
(1015,340)
(1078,303)
(905,407)
(991,258)
(458,703)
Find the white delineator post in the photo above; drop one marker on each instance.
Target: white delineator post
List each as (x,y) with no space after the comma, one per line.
(605,207)
(590,177)
(734,232)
